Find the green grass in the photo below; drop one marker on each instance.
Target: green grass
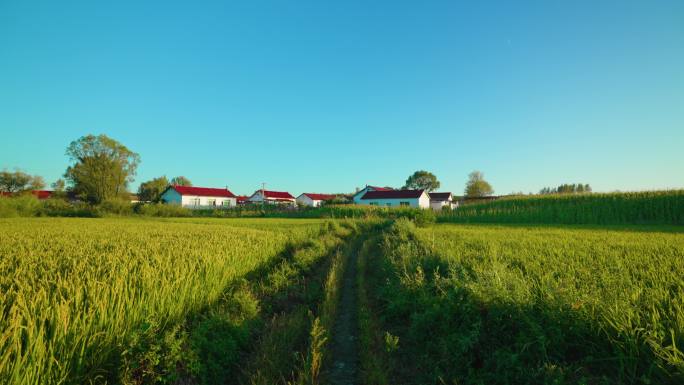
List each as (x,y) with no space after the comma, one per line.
(505,304)
(650,207)
(79,298)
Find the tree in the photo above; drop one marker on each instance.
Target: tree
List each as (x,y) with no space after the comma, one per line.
(19,181)
(58,185)
(567,188)
(180,181)
(476,186)
(422,180)
(102,167)
(151,190)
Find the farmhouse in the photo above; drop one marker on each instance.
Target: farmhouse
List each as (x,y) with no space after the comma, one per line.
(440,200)
(396,198)
(314,200)
(272,197)
(198,197)
(356,198)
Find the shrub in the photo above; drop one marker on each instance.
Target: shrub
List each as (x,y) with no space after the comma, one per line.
(115,207)
(162,210)
(20,206)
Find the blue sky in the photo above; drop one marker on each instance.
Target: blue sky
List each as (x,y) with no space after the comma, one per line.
(325,96)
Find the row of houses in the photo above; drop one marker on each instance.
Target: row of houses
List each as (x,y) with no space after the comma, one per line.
(204,197)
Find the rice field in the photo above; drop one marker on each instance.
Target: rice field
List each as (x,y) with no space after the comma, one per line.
(74,292)
(531,304)
(254,301)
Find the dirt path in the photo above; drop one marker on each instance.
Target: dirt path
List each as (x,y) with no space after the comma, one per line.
(343,348)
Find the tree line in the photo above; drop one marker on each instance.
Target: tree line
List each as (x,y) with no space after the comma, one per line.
(102,169)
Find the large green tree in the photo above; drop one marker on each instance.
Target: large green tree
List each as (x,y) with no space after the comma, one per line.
(477,186)
(422,180)
(18,181)
(180,181)
(102,167)
(151,190)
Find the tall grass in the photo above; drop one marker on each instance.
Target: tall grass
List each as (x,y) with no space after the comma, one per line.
(75,293)
(657,207)
(509,305)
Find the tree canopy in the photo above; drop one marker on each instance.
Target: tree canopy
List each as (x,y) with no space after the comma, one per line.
(102,167)
(477,186)
(422,180)
(151,190)
(180,181)
(18,181)
(572,188)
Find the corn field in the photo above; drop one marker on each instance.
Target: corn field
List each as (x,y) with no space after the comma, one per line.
(658,207)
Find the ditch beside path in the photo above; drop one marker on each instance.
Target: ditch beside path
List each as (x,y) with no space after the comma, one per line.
(343,344)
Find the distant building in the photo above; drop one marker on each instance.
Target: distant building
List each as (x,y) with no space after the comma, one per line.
(356,198)
(242,199)
(272,197)
(396,198)
(440,200)
(314,200)
(42,194)
(198,197)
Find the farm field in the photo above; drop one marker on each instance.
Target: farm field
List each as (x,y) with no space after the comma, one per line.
(488,304)
(312,301)
(126,300)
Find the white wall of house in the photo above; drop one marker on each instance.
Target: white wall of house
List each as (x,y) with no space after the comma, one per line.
(171,196)
(422,202)
(357,197)
(439,205)
(197,202)
(305,200)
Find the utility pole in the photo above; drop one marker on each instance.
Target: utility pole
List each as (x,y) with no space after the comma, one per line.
(263,193)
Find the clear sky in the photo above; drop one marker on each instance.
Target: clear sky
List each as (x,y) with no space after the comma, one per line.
(325,96)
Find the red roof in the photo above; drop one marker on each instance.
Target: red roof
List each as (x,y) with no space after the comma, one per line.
(204,191)
(392,194)
(242,198)
(42,194)
(277,194)
(320,197)
(376,188)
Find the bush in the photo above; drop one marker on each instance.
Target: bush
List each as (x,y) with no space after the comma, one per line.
(20,206)
(61,208)
(115,207)
(162,210)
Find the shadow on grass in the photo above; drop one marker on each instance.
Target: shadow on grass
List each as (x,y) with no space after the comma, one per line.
(438,331)
(217,343)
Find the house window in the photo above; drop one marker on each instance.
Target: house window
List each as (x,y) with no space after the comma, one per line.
(226,203)
(404,204)
(373,203)
(211,202)
(194,202)
(388,204)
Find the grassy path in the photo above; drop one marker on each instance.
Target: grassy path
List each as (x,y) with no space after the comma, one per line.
(343,352)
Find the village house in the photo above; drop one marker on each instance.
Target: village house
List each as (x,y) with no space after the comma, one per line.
(440,200)
(272,197)
(198,197)
(396,198)
(314,200)
(356,198)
